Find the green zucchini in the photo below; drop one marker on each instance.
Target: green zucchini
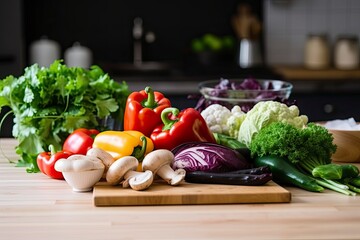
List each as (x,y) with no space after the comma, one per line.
(285,172)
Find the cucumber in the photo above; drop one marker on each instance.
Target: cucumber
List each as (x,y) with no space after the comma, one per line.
(285,172)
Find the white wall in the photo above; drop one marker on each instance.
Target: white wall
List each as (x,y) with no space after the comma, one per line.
(288,22)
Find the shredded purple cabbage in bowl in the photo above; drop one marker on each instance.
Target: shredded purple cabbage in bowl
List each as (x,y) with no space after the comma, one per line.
(243,92)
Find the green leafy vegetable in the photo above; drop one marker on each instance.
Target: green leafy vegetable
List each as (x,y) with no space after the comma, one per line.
(49,103)
(354,181)
(328,171)
(336,171)
(349,171)
(266,112)
(307,148)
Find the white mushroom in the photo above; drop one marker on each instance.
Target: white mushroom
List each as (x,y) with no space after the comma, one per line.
(158,161)
(123,170)
(78,163)
(80,172)
(106,158)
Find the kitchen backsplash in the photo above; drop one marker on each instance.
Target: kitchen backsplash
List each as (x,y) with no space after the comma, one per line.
(289,22)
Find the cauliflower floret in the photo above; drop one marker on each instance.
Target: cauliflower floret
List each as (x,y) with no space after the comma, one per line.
(235,120)
(266,112)
(216,117)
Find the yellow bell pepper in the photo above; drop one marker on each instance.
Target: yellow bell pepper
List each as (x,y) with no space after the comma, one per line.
(124,143)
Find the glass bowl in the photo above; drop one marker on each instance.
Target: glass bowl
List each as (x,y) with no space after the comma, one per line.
(231,92)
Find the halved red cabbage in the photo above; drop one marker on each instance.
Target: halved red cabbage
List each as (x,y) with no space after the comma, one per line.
(209,157)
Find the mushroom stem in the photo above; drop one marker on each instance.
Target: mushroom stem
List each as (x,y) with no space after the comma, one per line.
(123,171)
(158,161)
(138,180)
(170,176)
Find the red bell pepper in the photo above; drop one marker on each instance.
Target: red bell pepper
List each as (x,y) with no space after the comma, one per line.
(80,141)
(46,162)
(143,110)
(180,127)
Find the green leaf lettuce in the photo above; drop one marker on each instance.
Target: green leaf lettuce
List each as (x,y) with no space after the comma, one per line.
(49,103)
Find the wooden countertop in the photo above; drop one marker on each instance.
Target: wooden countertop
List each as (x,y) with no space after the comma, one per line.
(300,73)
(32,206)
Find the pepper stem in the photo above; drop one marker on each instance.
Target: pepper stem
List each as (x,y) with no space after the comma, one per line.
(139,153)
(168,123)
(52,149)
(150,101)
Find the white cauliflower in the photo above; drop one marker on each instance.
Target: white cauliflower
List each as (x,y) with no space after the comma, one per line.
(235,120)
(266,112)
(221,120)
(216,117)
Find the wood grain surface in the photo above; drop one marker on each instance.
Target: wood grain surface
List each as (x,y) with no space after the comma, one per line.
(301,73)
(33,206)
(161,193)
(348,145)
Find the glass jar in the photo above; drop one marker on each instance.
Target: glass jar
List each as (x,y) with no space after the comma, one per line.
(317,53)
(346,53)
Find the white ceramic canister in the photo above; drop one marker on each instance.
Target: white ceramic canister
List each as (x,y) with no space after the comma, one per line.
(346,53)
(249,53)
(44,52)
(317,52)
(78,56)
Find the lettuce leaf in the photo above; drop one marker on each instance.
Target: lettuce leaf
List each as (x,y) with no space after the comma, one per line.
(49,103)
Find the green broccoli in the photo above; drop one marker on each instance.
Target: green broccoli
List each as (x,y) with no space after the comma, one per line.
(307,148)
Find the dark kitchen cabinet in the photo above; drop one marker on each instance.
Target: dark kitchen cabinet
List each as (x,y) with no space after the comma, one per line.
(329,106)
(11,51)
(317,106)
(7,123)
(325,94)
(106,26)
(11,38)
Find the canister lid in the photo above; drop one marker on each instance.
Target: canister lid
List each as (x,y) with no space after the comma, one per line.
(78,56)
(317,35)
(349,37)
(44,51)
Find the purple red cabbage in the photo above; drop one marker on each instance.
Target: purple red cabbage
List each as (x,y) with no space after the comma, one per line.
(209,157)
(249,83)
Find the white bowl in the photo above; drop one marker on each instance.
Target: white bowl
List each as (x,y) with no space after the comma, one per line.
(83,181)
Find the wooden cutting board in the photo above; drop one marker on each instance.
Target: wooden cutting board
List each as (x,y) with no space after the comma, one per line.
(161,193)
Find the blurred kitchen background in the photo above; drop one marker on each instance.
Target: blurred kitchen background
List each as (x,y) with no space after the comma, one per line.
(173,45)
